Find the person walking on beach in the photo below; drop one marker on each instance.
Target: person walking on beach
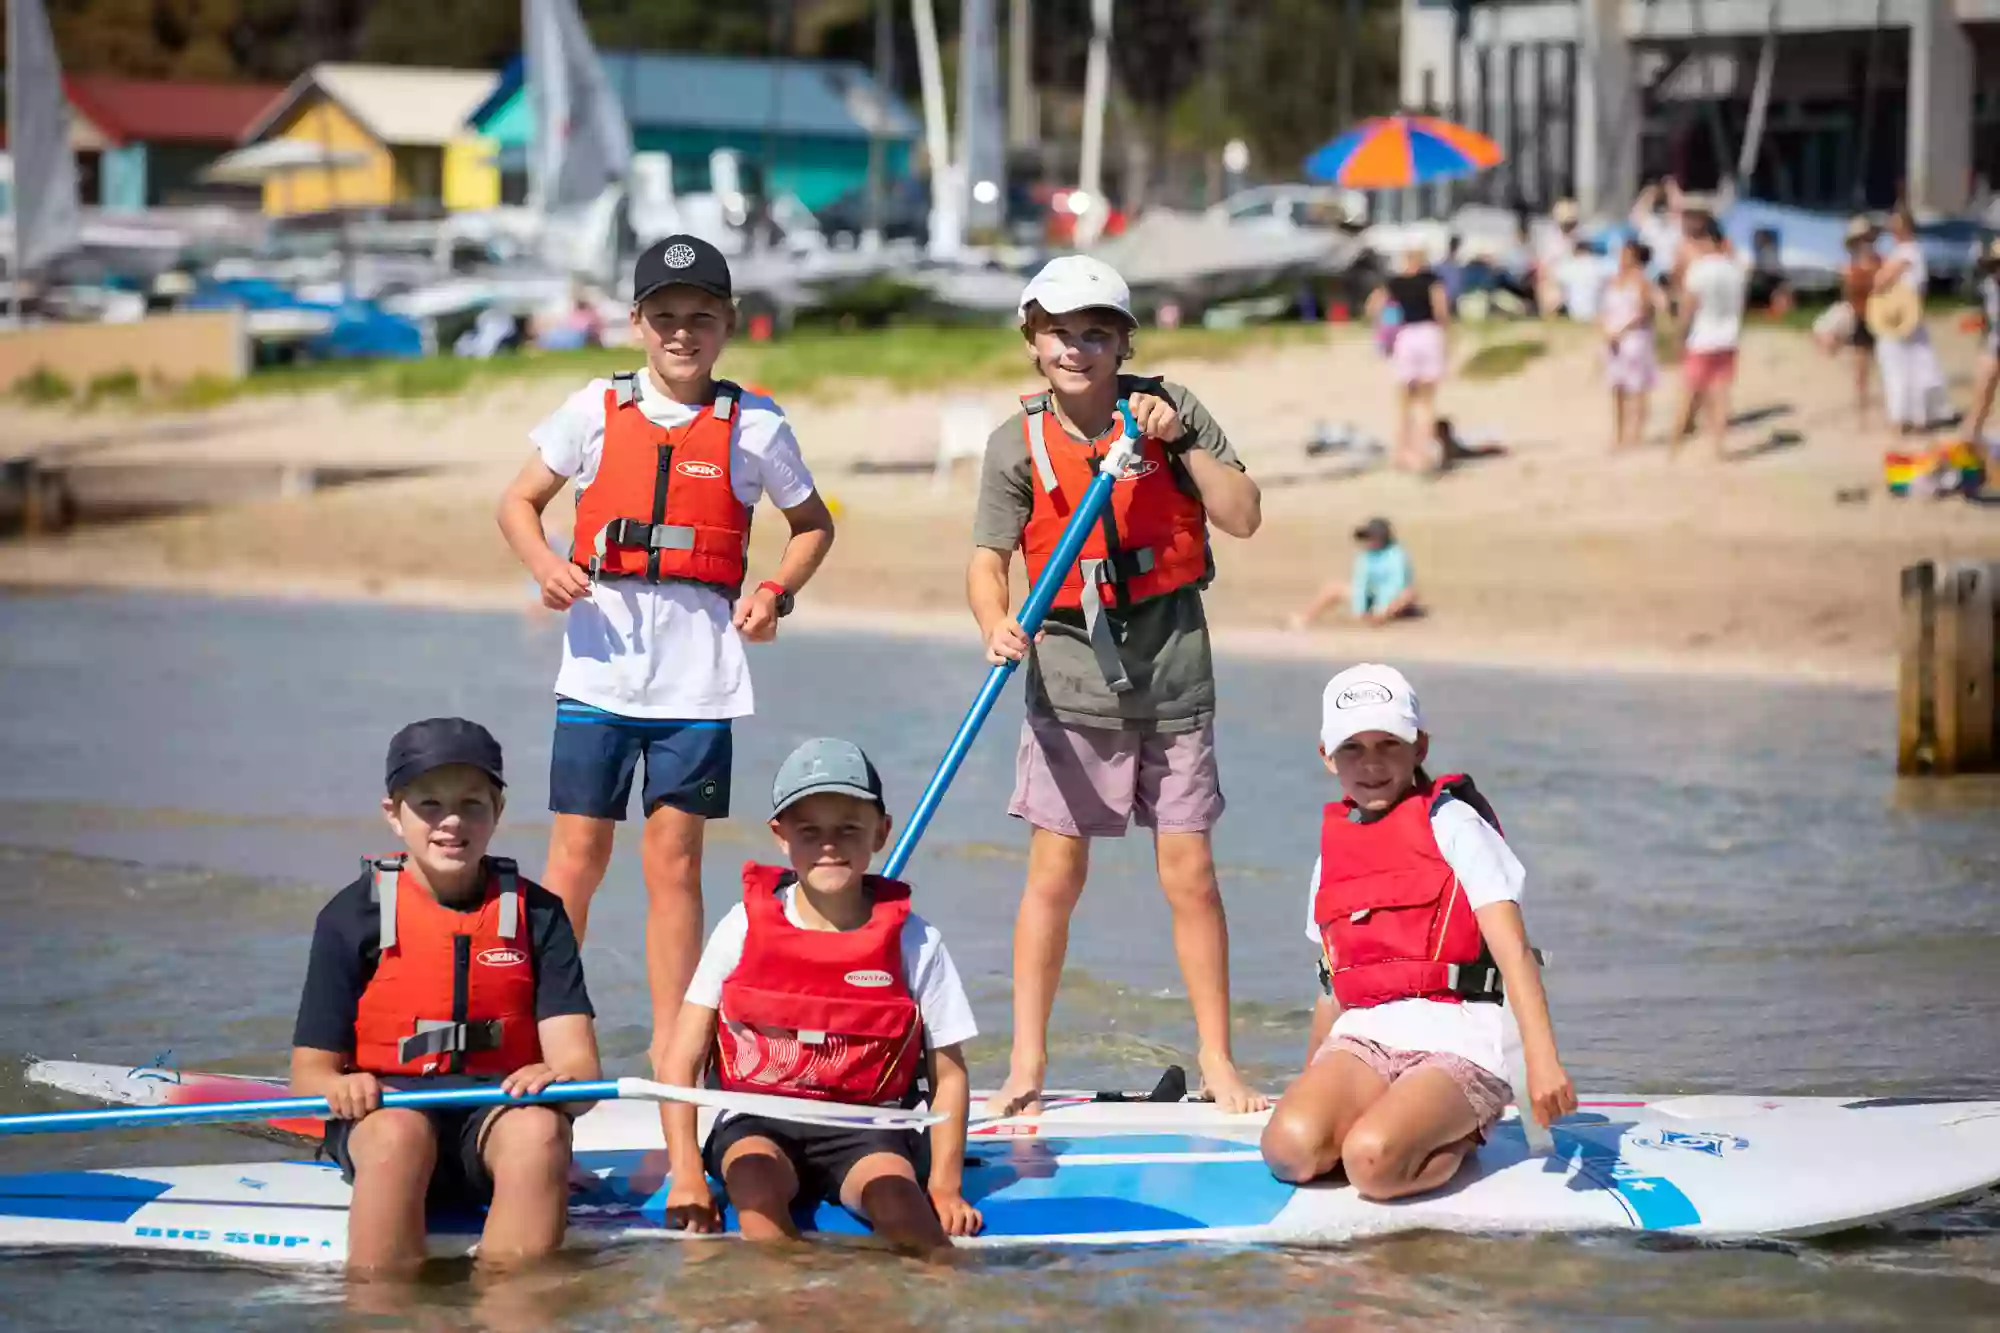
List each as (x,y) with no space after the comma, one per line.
(1631,363)
(1988,375)
(1711,313)
(1911,377)
(1417,354)
(668,463)
(1857,284)
(1120,684)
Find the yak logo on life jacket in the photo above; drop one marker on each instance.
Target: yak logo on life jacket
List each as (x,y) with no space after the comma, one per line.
(1363,694)
(1137,468)
(503,957)
(699,471)
(870,977)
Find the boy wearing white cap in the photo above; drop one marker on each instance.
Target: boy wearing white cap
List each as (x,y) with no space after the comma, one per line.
(1120,683)
(1415,906)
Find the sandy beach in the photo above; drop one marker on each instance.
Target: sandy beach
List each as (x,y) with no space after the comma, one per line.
(1559,555)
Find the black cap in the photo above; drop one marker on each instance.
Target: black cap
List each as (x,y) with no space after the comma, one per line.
(437,741)
(1375,530)
(680,261)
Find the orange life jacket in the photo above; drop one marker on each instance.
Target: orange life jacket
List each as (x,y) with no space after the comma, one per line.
(453,992)
(662,505)
(1152,539)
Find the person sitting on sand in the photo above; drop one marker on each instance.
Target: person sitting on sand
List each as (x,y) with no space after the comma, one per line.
(394,998)
(1381,587)
(827,962)
(1415,908)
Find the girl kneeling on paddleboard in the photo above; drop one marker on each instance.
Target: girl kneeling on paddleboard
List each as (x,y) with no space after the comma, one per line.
(1416,908)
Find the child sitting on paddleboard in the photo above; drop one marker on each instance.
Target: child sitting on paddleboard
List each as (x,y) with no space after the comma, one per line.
(1415,907)
(822,983)
(1121,685)
(442,962)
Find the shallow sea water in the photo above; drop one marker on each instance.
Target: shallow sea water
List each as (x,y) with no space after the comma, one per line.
(1737,897)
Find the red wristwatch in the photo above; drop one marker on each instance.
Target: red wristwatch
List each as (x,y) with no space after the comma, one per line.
(781,598)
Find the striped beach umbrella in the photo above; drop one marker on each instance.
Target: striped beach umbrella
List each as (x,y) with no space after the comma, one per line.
(1389,152)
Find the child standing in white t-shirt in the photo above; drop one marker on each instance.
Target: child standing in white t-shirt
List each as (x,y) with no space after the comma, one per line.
(668,464)
(1415,905)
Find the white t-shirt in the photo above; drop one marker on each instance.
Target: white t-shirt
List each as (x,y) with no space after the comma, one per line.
(1917,270)
(1490,873)
(1661,234)
(1718,285)
(665,650)
(927,966)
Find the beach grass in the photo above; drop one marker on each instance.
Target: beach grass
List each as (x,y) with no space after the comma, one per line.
(903,357)
(1498,360)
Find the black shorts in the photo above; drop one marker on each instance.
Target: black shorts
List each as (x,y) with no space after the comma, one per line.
(821,1156)
(596,754)
(460,1178)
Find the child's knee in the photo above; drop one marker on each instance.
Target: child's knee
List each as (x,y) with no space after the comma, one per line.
(393,1139)
(1294,1148)
(528,1140)
(1374,1163)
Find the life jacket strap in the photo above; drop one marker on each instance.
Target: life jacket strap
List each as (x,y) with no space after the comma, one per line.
(625,387)
(1103,638)
(1037,408)
(385,872)
(434,1037)
(1479,981)
(509,876)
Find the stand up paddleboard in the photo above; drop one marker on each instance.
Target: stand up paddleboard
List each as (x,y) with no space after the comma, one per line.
(1091,1171)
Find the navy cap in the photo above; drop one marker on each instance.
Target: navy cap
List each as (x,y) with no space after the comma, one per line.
(681,261)
(825,765)
(436,742)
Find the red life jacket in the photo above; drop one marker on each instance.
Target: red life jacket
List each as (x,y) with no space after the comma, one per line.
(825,1014)
(1392,916)
(662,505)
(1153,537)
(453,992)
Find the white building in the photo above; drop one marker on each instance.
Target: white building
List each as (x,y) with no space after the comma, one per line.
(1868,100)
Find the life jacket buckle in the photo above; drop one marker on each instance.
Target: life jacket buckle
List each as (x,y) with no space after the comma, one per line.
(807,1038)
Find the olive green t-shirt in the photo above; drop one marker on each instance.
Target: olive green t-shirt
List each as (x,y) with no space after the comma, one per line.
(1163,642)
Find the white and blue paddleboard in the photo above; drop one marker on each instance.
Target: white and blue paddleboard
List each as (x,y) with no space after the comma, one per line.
(1095,1172)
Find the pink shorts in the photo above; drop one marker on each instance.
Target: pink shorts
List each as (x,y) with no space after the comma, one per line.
(1088,782)
(1418,356)
(1487,1095)
(1704,370)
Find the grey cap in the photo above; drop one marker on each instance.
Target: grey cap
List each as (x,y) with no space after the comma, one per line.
(825,765)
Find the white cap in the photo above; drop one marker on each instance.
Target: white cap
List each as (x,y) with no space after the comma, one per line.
(1368,697)
(1077,282)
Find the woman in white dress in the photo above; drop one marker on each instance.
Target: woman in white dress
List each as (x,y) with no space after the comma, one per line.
(1911,377)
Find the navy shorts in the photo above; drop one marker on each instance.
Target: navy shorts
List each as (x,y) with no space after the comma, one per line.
(821,1156)
(596,753)
(460,1178)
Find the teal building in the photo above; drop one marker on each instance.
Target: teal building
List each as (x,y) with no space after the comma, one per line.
(802,126)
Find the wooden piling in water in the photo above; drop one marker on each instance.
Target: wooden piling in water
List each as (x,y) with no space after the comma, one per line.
(1949,670)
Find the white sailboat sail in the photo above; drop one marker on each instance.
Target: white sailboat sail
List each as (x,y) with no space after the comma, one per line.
(582,141)
(47,221)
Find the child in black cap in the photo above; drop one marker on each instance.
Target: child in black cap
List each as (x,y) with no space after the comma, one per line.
(441,962)
(668,462)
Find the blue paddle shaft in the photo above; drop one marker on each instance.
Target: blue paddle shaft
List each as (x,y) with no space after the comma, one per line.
(288,1108)
(1033,612)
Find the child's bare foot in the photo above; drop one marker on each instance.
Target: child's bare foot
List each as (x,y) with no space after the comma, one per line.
(1221,1081)
(1019,1095)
